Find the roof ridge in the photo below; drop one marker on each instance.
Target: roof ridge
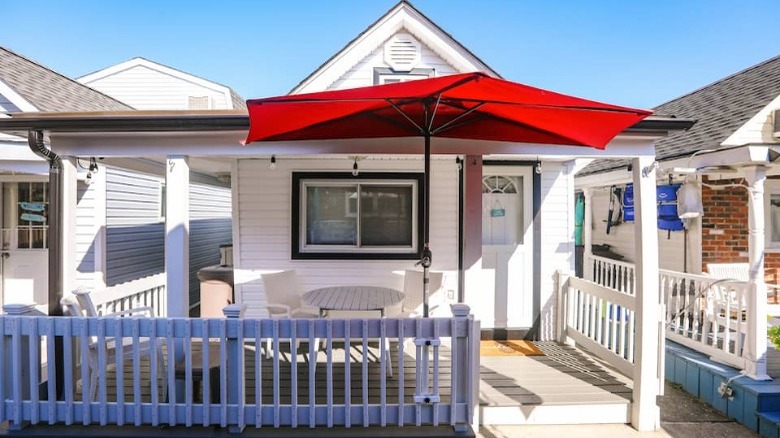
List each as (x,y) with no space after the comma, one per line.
(744,70)
(6,49)
(373,24)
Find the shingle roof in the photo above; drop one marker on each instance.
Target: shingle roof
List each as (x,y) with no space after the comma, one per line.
(50,91)
(720,108)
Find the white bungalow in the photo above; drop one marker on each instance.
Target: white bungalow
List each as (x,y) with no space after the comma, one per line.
(504,267)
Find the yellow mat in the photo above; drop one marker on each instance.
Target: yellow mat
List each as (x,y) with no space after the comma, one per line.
(509,348)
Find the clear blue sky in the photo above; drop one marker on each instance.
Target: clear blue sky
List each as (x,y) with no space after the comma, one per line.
(638,53)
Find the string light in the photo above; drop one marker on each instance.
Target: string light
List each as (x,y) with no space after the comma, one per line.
(272,165)
(355,168)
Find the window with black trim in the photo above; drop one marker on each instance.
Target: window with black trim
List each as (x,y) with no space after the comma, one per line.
(373,215)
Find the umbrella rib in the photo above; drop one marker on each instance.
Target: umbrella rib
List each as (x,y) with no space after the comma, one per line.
(406,116)
(445,126)
(433,115)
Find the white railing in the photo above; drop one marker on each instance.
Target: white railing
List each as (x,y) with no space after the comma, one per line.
(703,313)
(707,314)
(611,273)
(252,387)
(598,318)
(144,292)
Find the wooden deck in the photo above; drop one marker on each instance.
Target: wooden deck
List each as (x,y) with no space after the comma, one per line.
(563,386)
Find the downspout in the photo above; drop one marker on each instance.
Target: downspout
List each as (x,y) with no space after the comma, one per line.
(35,141)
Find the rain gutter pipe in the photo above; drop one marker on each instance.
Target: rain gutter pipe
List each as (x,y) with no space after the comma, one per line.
(35,141)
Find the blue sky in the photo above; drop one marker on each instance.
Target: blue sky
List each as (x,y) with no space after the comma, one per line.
(638,53)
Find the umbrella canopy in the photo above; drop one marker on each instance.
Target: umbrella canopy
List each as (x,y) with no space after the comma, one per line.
(467,106)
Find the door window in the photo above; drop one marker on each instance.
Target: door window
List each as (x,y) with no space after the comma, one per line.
(26,223)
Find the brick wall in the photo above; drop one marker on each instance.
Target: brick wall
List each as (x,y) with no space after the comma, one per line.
(725,229)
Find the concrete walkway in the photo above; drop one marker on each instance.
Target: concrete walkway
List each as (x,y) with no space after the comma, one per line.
(682,416)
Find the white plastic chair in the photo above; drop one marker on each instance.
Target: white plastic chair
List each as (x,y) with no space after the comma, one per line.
(283,298)
(413,290)
(81,305)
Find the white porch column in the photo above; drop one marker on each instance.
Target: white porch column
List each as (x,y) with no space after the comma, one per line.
(68,230)
(472,229)
(587,234)
(645,414)
(177,235)
(755,347)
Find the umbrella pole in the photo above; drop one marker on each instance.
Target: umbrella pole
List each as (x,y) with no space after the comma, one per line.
(425,261)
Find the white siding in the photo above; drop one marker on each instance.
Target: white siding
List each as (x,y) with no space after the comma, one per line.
(758,129)
(621,238)
(557,238)
(135,245)
(362,74)
(264,229)
(85,235)
(144,88)
(210,226)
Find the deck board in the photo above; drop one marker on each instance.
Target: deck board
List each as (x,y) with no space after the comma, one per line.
(563,376)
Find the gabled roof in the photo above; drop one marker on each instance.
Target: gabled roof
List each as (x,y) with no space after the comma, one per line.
(720,108)
(48,90)
(237,101)
(402,15)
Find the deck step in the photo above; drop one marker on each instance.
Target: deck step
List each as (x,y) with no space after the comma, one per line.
(769,424)
(550,414)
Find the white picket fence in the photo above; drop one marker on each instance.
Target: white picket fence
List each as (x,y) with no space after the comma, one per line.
(703,313)
(30,395)
(144,292)
(598,318)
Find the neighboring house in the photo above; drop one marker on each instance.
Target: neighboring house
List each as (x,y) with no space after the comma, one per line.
(147,85)
(119,216)
(734,114)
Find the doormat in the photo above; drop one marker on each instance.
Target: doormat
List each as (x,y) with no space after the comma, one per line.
(509,348)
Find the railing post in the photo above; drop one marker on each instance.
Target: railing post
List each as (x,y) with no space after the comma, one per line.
(17,366)
(466,364)
(563,280)
(235,361)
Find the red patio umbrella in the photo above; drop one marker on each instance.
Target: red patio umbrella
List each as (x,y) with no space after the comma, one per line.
(467,106)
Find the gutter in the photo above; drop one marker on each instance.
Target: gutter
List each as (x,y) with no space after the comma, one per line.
(35,141)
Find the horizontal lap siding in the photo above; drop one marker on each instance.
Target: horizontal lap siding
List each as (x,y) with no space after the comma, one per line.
(85,234)
(264,230)
(135,235)
(210,227)
(147,89)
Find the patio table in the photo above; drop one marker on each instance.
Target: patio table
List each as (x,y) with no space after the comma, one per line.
(353,298)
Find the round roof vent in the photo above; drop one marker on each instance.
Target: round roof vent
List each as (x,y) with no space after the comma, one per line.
(402,52)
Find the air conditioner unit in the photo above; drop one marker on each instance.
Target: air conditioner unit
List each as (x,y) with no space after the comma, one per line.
(776,123)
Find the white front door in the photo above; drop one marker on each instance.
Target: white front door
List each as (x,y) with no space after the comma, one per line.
(24,259)
(507,259)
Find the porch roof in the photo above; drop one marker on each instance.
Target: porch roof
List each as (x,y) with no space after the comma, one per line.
(215,120)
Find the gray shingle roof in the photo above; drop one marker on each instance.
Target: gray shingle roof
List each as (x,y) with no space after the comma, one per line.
(50,91)
(720,108)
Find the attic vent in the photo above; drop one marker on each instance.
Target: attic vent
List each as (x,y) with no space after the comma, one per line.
(776,123)
(198,103)
(402,52)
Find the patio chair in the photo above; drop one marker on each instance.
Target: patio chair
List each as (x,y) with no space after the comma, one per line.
(283,299)
(81,305)
(738,272)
